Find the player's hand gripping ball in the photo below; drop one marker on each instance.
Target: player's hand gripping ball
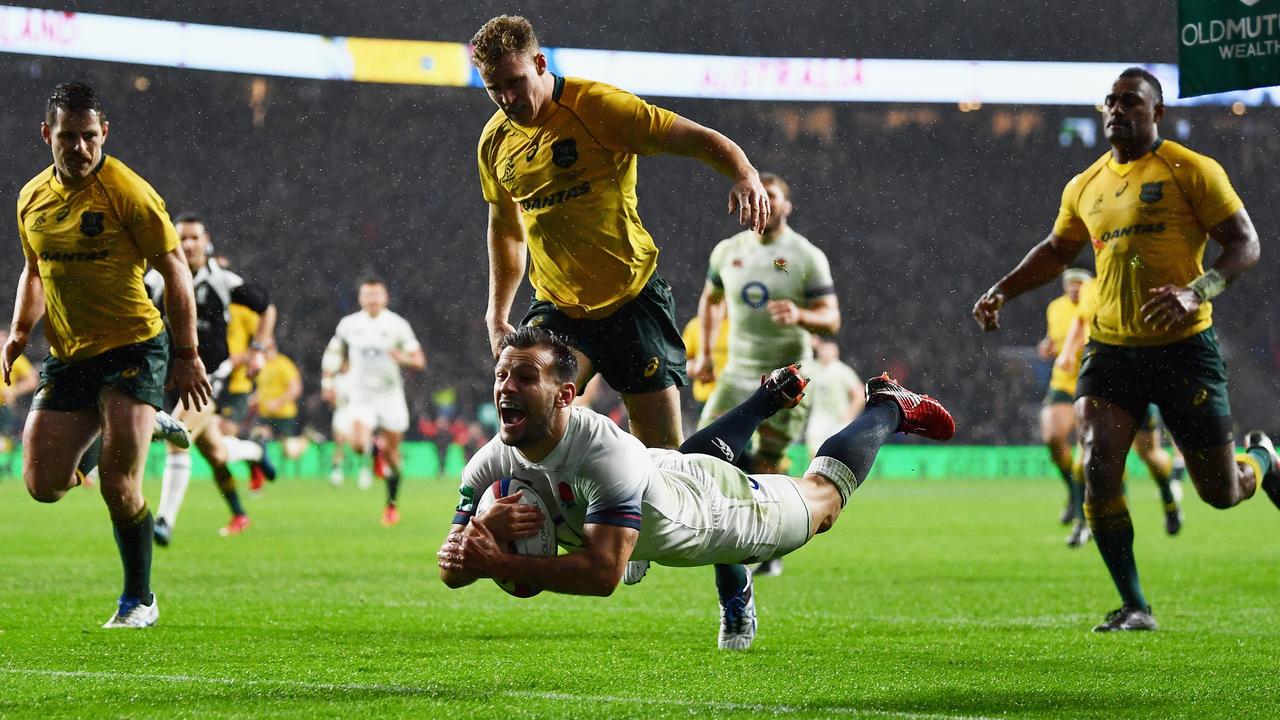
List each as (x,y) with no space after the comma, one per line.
(543,543)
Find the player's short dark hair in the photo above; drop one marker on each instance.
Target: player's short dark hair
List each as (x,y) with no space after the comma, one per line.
(527,337)
(1152,80)
(499,36)
(191,217)
(769,178)
(371,280)
(73,97)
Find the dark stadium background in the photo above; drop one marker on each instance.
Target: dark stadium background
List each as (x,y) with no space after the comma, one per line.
(311,185)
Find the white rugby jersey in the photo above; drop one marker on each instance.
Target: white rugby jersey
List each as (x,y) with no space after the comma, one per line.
(366,342)
(752,273)
(686,507)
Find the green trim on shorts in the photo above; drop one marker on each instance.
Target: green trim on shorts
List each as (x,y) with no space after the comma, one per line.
(637,349)
(138,370)
(1056,397)
(1186,380)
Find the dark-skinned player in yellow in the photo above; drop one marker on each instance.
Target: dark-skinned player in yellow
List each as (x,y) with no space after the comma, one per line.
(1148,208)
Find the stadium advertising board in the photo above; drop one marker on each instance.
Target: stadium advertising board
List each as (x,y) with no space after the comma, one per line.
(975,82)
(1227,45)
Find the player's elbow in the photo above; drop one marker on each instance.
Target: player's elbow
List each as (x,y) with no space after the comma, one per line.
(454,580)
(604,580)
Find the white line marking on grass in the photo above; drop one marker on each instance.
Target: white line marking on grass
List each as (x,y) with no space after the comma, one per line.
(439,693)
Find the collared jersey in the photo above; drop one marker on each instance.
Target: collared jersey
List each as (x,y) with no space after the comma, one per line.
(751,274)
(240,331)
(21,368)
(692,336)
(1148,222)
(366,342)
(274,380)
(574,180)
(92,240)
(216,290)
(1059,317)
(683,505)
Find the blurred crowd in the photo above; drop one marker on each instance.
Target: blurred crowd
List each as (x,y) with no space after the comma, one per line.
(310,186)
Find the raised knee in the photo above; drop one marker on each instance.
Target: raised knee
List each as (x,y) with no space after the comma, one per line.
(45,495)
(1220,501)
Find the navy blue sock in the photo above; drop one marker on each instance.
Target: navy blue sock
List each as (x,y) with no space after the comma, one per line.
(730,580)
(727,436)
(857,444)
(133,539)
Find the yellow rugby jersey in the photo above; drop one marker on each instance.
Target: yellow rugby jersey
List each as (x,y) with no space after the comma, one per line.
(21,369)
(1148,222)
(1058,318)
(93,239)
(244,323)
(273,382)
(574,180)
(692,337)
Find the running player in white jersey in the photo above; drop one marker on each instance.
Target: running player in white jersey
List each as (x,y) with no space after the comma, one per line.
(620,501)
(374,345)
(776,288)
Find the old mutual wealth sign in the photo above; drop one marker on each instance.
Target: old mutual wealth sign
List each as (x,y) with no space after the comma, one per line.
(1227,45)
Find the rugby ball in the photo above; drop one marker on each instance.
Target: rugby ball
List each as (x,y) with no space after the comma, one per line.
(544,543)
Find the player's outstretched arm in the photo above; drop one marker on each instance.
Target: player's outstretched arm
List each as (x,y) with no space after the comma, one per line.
(1171,306)
(506,267)
(28,308)
(594,570)
(1045,262)
(186,373)
(747,197)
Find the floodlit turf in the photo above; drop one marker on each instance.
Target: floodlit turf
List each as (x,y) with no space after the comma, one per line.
(929,600)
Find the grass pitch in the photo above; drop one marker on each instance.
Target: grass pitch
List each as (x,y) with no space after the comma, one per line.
(928,600)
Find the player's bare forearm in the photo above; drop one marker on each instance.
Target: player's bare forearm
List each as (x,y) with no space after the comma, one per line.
(28,306)
(506,242)
(1042,264)
(821,316)
(265,333)
(1240,247)
(747,197)
(179,297)
(709,146)
(594,570)
(710,304)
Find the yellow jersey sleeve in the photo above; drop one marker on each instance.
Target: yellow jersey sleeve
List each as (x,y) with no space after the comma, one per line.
(143,214)
(1069,224)
(1212,197)
(489,186)
(623,122)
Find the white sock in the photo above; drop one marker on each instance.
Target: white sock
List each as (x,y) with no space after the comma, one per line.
(177,476)
(238,449)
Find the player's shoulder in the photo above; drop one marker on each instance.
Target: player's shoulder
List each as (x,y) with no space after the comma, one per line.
(33,186)
(1181,158)
(1088,173)
(119,177)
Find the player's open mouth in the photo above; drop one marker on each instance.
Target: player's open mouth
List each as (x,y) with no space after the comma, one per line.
(510,413)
